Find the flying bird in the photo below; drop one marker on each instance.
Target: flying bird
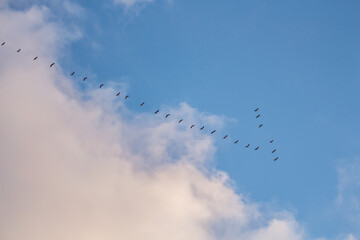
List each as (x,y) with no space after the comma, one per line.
(213,132)
(142,104)
(256,148)
(127,96)
(260,125)
(52,64)
(18,50)
(258,116)
(247,146)
(192,126)
(225,136)
(236,141)
(35,58)
(167,115)
(256,109)
(118,94)
(180,120)
(271,141)
(72,74)
(202,128)
(156,111)
(3,44)
(276,158)
(84,78)
(273,151)
(101,85)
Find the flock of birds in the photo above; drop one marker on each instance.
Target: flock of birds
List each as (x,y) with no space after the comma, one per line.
(168,115)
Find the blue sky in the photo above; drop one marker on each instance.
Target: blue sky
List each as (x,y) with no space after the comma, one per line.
(295,60)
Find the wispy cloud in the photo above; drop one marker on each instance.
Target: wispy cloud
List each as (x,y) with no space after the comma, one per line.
(74,8)
(348,194)
(78,169)
(130,3)
(350,237)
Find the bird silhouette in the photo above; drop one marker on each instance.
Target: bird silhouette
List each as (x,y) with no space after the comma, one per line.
(101,85)
(256,109)
(167,115)
(84,79)
(213,132)
(127,96)
(156,111)
(35,58)
(273,151)
(142,104)
(260,125)
(236,141)
(18,50)
(247,146)
(276,158)
(256,148)
(52,64)
(180,120)
(72,74)
(192,126)
(271,141)
(3,44)
(202,128)
(225,136)
(118,94)
(258,116)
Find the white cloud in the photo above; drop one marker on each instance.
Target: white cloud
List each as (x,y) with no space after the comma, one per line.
(279,230)
(78,169)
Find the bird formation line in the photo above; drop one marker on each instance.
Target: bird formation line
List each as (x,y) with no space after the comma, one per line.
(168,114)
